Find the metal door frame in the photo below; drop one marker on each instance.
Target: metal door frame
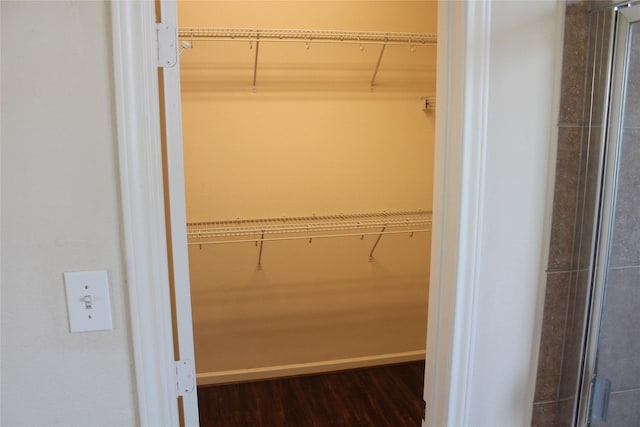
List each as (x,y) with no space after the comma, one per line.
(622,18)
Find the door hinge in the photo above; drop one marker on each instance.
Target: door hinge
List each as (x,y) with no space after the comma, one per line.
(167,41)
(185,377)
(600,399)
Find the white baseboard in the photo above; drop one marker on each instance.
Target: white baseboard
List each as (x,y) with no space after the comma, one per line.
(240,375)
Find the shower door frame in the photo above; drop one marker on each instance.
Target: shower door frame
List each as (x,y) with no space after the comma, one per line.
(603,231)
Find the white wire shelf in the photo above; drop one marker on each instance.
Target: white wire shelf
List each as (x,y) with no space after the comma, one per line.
(255,36)
(306,36)
(263,230)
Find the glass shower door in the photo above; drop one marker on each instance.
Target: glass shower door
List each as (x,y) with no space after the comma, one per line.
(612,364)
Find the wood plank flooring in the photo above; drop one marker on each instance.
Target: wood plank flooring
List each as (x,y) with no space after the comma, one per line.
(370,397)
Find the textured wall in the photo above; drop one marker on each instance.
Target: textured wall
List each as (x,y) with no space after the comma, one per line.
(60,212)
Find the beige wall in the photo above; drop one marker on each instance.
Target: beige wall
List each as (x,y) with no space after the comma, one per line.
(60,212)
(311,139)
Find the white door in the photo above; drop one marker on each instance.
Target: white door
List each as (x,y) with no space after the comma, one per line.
(177,218)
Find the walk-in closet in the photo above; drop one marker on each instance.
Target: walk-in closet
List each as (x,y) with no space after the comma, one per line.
(308,132)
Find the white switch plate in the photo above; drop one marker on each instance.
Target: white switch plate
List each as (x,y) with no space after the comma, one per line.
(88,302)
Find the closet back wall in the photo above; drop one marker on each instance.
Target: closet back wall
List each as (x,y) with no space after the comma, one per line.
(311,138)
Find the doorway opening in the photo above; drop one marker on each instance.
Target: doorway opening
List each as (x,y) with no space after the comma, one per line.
(308,180)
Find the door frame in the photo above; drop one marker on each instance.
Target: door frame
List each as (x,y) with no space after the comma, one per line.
(465,277)
(143,215)
(617,60)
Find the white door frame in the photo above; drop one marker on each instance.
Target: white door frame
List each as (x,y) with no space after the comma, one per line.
(457,211)
(143,216)
(464,387)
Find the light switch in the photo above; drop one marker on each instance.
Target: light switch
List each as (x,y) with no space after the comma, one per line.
(88,302)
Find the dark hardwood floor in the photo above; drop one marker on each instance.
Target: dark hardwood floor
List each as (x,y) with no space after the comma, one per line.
(377,397)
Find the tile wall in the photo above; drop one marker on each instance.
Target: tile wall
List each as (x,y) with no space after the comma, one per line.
(584,80)
(584,76)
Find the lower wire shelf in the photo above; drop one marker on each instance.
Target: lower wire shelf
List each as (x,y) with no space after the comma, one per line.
(263,230)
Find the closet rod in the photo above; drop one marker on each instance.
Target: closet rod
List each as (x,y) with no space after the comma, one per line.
(305,36)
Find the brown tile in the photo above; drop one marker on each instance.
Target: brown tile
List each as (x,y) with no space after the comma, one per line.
(573,62)
(574,334)
(619,344)
(565,412)
(589,182)
(544,415)
(565,198)
(599,63)
(552,340)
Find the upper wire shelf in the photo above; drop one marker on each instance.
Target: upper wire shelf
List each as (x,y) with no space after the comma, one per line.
(308,228)
(292,35)
(255,36)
